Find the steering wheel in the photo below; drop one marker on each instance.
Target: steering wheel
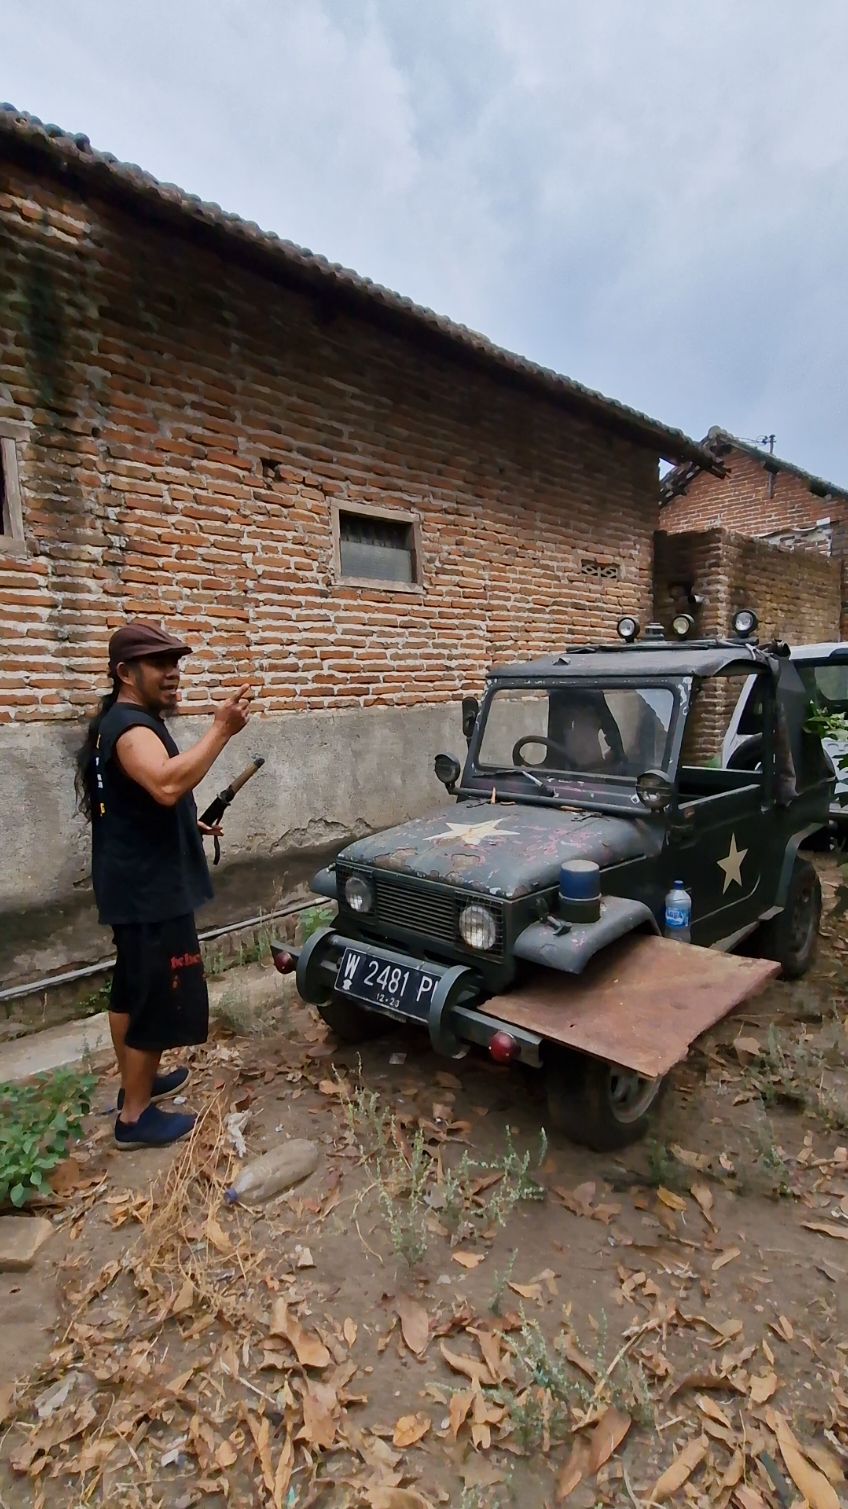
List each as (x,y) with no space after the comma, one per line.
(550,746)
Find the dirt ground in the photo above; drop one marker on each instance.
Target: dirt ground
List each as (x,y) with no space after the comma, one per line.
(451,1309)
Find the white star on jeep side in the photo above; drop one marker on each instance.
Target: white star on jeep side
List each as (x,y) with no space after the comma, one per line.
(473,833)
(732,864)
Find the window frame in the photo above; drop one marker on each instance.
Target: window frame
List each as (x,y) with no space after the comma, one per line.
(395,516)
(12,537)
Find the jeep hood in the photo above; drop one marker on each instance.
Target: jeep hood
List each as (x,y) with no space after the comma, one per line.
(505,850)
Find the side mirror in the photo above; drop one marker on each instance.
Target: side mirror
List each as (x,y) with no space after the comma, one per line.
(470,709)
(448,770)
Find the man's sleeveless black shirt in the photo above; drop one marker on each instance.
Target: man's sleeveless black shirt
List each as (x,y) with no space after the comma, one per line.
(148,862)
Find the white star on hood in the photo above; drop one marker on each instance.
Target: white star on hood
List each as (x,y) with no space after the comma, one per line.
(474,833)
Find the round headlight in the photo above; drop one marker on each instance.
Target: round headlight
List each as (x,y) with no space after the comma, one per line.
(359,894)
(744,622)
(654,790)
(478,926)
(682,623)
(628,628)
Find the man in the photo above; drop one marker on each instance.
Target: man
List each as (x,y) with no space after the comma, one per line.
(149,869)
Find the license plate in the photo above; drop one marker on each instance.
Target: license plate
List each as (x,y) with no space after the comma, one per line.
(396,989)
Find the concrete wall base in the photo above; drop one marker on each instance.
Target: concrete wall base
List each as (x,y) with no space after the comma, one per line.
(328,778)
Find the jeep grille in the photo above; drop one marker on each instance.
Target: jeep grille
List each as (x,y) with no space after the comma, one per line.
(427,910)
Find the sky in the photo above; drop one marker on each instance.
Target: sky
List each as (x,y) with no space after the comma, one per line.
(650,196)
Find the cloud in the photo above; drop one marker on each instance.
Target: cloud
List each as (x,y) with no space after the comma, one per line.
(650,198)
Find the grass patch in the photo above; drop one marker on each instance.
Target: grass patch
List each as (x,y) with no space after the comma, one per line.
(38,1121)
(416,1194)
(792,1071)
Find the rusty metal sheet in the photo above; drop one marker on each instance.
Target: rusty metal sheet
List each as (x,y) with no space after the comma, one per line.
(639,1004)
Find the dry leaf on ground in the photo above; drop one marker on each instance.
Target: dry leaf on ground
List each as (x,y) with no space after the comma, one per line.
(226,1454)
(748,1498)
(762,1387)
(214,1233)
(723,1258)
(578,1359)
(310,1352)
(460,1404)
(713,1411)
(468,1259)
(607,1436)
(411,1428)
(349,1331)
(669,1198)
(681,1468)
(703,1194)
(414,1324)
(319,1426)
(692,1160)
(527,1291)
(396,1498)
(828,1228)
(184,1298)
(811,1484)
(573,1470)
(827,1461)
(468,1366)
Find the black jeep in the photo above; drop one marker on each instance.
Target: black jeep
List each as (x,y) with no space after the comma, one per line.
(527,917)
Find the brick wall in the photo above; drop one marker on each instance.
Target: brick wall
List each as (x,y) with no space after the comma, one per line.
(750,500)
(796,596)
(188,423)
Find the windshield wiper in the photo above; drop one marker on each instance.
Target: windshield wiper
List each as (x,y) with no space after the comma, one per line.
(543,786)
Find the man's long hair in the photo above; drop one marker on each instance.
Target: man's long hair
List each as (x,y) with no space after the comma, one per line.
(85,753)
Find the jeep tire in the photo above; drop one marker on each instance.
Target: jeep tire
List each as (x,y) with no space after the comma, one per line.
(351,1023)
(792,936)
(597,1104)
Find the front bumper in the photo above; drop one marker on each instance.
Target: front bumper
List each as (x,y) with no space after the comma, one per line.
(451,1016)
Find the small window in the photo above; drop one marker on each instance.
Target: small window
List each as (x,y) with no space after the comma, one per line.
(11,514)
(377,545)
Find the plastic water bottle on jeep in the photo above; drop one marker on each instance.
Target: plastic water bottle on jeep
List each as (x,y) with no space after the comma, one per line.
(678,913)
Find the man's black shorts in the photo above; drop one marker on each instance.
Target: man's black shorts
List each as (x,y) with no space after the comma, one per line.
(159,983)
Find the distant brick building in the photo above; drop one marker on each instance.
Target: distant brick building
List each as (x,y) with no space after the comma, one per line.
(321,486)
(762,497)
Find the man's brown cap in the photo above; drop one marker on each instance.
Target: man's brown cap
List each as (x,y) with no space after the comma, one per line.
(137,640)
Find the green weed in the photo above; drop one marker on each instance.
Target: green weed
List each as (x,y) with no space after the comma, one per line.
(37,1123)
(313,918)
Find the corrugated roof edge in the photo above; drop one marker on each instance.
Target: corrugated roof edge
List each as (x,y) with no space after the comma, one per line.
(73,153)
(677,480)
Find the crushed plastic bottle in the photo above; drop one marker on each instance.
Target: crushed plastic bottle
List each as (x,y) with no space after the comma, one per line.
(279,1169)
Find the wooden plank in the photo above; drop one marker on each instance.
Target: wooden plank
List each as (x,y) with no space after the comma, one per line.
(640,1003)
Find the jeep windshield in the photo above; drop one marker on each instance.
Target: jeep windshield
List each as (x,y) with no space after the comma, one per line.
(574,734)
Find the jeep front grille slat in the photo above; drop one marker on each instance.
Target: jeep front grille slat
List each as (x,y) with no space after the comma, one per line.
(430,913)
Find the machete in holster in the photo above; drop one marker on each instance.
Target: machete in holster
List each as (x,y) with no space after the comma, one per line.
(215,811)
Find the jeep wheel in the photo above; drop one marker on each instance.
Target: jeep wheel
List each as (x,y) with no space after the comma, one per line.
(351,1023)
(596,1104)
(792,936)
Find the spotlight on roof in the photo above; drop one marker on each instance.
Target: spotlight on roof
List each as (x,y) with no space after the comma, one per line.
(682,624)
(745,622)
(628,628)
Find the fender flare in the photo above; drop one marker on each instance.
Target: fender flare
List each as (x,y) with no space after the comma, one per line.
(789,857)
(568,949)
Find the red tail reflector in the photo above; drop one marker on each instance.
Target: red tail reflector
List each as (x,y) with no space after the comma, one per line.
(283,961)
(502,1047)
